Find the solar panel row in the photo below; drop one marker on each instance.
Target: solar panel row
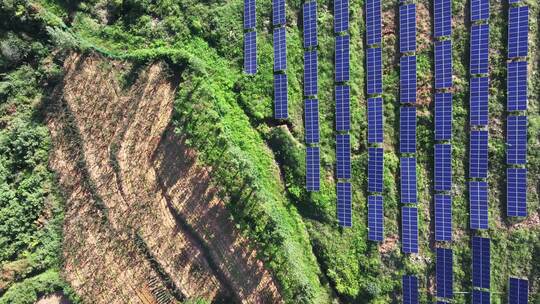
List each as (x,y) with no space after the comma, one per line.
(373,21)
(407,28)
(280,96)
(518,291)
(249,14)
(518,31)
(374,70)
(375,218)
(481,297)
(478,201)
(407,80)
(409,221)
(444,276)
(312,169)
(478,154)
(479,10)
(481,258)
(344,199)
(407,130)
(341,16)
(310,73)
(311,111)
(250,52)
(479,49)
(443,18)
(278,12)
(375,169)
(375,120)
(516,140)
(479,101)
(310,24)
(343,114)
(443,217)
(410,289)
(516,192)
(343,153)
(408,180)
(517,86)
(443,167)
(443,116)
(342,59)
(280,49)
(443,64)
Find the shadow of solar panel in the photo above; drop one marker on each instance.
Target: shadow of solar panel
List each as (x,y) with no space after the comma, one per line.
(516,140)
(444,277)
(310,24)
(375,120)
(518,31)
(374,71)
(478,151)
(249,14)
(344,200)
(480,297)
(280,96)
(280,49)
(278,12)
(518,291)
(479,49)
(443,18)
(443,116)
(478,200)
(341,16)
(375,169)
(410,289)
(343,153)
(479,10)
(479,101)
(311,111)
(250,53)
(408,180)
(516,84)
(409,223)
(481,259)
(407,28)
(516,192)
(443,217)
(443,167)
(407,130)
(310,73)
(407,79)
(342,58)
(343,113)
(443,64)
(373,21)
(375,218)
(312,169)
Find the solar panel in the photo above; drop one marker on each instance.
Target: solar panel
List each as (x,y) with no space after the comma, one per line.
(478,199)
(410,289)
(409,229)
(375,218)
(249,14)
(518,31)
(516,192)
(374,71)
(280,96)
(280,49)
(250,53)
(278,12)
(342,58)
(479,10)
(443,167)
(311,111)
(343,153)
(312,169)
(443,217)
(517,86)
(443,64)
(344,200)
(481,257)
(375,120)
(443,18)
(310,73)
(408,180)
(341,16)
(516,140)
(407,79)
(514,1)
(479,49)
(407,130)
(375,169)
(479,101)
(444,276)
(407,28)
(373,21)
(478,159)
(518,291)
(480,297)
(443,116)
(310,24)
(343,113)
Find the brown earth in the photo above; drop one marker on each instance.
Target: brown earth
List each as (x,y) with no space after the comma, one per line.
(143,223)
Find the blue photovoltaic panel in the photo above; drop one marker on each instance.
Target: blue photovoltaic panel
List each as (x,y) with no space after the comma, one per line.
(249,14)
(479,10)
(310,73)
(311,109)
(373,21)
(407,79)
(443,167)
(280,49)
(478,154)
(375,218)
(516,140)
(518,31)
(479,49)
(479,101)
(481,261)
(443,64)
(443,217)
(343,153)
(408,180)
(516,84)
(409,229)
(444,277)
(375,120)
(250,53)
(407,130)
(278,12)
(410,289)
(312,169)
(280,96)
(341,16)
(443,116)
(344,201)
(407,28)
(374,71)
(375,169)
(443,18)
(343,113)
(516,192)
(478,200)
(480,297)
(518,291)
(342,58)
(310,24)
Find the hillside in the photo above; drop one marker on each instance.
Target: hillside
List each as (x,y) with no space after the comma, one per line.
(139,164)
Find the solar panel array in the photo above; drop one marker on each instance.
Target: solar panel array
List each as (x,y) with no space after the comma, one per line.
(375,218)
(407,28)
(481,259)
(408,180)
(479,49)
(373,21)
(375,169)
(407,130)
(518,291)
(478,200)
(409,229)
(374,70)
(342,58)
(479,10)
(249,14)
(518,31)
(410,289)
(250,52)
(478,154)
(516,140)
(341,16)
(312,169)
(311,109)
(278,12)
(344,200)
(443,64)
(516,85)
(310,24)
(280,49)
(516,192)
(343,153)
(443,116)
(443,217)
(479,101)
(443,18)
(343,113)
(375,120)
(280,96)
(407,80)
(481,297)
(444,277)
(310,73)
(443,167)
